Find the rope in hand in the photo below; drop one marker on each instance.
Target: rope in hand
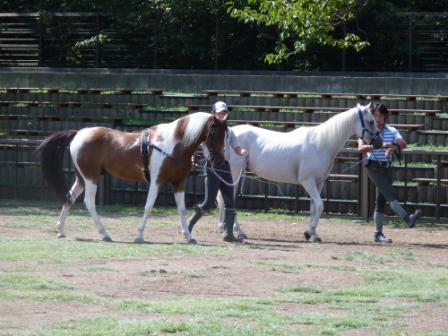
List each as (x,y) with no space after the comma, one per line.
(241,176)
(243,169)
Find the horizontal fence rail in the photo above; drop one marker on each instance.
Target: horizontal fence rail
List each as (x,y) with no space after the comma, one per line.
(420,182)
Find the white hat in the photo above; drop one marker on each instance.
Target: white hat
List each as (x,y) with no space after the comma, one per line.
(219,106)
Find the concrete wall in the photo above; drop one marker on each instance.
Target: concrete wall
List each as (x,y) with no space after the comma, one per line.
(196,81)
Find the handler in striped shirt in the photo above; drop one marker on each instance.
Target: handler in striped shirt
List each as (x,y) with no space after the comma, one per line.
(379,168)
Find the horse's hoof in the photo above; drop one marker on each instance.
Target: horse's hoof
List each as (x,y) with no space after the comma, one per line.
(107,239)
(242,236)
(139,240)
(61,235)
(317,240)
(192,241)
(307,235)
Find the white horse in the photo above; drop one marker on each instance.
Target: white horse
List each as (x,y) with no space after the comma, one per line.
(304,156)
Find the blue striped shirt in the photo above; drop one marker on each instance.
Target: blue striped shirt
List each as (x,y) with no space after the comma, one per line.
(389,134)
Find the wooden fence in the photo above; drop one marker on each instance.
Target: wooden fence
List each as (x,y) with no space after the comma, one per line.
(417,186)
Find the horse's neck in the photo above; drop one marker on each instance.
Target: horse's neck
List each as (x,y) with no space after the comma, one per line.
(334,133)
(192,142)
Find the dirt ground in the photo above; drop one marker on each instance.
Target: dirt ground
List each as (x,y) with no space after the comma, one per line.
(230,276)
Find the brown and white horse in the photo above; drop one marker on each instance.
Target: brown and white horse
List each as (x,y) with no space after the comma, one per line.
(97,150)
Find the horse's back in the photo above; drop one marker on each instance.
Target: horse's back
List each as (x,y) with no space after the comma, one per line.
(275,156)
(100,148)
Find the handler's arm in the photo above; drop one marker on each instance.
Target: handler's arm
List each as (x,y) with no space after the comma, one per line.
(363,147)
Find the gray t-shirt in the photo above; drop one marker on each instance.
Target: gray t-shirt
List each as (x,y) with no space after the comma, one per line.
(230,142)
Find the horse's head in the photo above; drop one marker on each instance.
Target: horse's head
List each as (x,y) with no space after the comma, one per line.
(366,127)
(216,135)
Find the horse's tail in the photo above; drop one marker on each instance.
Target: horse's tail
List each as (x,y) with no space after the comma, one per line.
(50,153)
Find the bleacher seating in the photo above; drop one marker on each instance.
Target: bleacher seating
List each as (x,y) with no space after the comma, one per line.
(35,113)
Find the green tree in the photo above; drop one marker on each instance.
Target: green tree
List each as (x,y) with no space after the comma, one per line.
(302,23)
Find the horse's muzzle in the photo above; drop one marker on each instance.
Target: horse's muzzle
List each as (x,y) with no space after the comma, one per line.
(218,162)
(378,142)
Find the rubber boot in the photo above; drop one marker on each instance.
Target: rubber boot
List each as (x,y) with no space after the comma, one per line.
(411,220)
(229,219)
(198,213)
(378,236)
(398,209)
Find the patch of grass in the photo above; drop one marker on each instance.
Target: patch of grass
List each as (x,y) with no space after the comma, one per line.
(435,264)
(63,251)
(391,256)
(109,325)
(192,274)
(50,297)
(10,326)
(294,268)
(14,281)
(99,269)
(154,273)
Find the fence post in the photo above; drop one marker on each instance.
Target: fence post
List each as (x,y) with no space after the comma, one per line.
(411,28)
(97,47)
(156,30)
(41,49)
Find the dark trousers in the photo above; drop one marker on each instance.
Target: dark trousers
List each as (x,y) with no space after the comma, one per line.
(381,176)
(213,184)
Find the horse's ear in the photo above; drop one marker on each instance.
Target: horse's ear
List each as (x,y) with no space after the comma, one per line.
(368,106)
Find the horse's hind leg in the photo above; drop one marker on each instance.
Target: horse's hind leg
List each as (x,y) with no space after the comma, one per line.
(75,191)
(89,201)
(316,208)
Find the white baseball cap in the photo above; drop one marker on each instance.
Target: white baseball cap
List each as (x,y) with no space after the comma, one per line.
(219,106)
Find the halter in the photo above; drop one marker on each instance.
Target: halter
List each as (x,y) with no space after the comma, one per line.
(365,130)
(212,136)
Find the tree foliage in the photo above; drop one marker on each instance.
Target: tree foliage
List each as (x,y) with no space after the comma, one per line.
(301,23)
(306,35)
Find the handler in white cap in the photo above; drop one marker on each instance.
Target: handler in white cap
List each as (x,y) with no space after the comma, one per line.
(214,183)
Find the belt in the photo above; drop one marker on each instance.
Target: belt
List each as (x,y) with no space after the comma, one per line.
(379,163)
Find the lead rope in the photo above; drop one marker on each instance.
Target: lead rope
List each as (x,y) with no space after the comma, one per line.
(242,173)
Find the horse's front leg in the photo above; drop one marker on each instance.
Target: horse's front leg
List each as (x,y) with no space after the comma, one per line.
(179,196)
(75,191)
(152,195)
(316,208)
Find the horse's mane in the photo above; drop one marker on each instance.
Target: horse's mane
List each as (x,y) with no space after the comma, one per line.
(196,124)
(335,130)
(191,126)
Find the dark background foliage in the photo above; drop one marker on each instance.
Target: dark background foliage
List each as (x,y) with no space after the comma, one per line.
(201,35)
